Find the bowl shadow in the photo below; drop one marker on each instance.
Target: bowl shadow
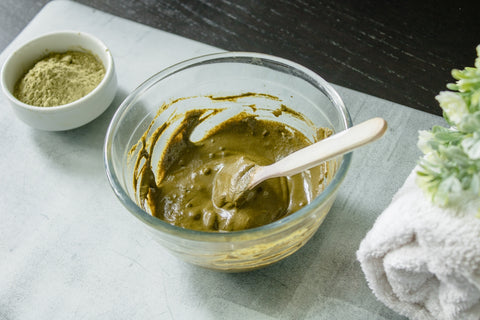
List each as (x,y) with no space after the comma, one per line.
(78,152)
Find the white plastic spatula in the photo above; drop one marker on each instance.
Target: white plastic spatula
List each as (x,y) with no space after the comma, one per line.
(311,156)
(248,175)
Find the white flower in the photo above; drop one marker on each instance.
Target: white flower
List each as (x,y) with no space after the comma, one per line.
(453,105)
(423,141)
(450,169)
(471,146)
(449,188)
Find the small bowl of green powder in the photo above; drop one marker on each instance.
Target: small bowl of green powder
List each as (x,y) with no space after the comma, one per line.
(60,81)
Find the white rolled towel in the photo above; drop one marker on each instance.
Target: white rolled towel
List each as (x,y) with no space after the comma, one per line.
(423,261)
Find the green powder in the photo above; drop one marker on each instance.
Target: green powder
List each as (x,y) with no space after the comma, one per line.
(60,78)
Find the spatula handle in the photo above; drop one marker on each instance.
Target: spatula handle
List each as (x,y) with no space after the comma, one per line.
(335,145)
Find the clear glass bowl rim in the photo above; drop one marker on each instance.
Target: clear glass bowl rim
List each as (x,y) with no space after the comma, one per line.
(163,226)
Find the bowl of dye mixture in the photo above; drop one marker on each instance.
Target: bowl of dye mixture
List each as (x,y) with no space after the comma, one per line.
(173,117)
(60,80)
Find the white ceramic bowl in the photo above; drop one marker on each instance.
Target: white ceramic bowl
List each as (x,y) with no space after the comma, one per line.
(67,116)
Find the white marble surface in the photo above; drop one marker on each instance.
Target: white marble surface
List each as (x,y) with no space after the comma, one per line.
(69,250)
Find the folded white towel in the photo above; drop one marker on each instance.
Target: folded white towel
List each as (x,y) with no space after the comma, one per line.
(423,261)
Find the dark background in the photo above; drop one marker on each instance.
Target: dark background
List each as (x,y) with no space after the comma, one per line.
(402,51)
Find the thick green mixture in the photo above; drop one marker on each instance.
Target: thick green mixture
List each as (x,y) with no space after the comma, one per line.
(180,192)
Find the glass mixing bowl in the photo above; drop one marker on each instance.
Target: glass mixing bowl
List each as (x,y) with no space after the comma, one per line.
(228,74)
